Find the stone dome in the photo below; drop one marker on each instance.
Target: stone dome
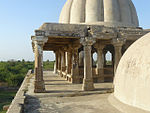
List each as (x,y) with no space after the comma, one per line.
(132,78)
(101,12)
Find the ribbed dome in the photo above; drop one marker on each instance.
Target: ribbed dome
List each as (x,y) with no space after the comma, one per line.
(102,12)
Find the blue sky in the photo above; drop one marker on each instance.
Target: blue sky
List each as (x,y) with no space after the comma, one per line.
(19,19)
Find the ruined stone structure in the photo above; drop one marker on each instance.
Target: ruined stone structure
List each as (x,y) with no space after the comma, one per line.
(87,27)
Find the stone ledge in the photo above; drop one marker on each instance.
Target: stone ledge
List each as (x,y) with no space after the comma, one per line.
(17,103)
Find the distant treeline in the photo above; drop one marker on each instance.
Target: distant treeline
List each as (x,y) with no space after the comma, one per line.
(13,72)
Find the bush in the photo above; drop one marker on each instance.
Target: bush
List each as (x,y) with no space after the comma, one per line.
(13,72)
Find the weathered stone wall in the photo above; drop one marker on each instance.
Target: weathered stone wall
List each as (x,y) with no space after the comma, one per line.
(132,79)
(18,102)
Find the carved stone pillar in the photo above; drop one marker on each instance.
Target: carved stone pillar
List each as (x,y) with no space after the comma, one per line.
(75,66)
(59,63)
(100,62)
(56,60)
(55,64)
(87,42)
(55,70)
(81,58)
(118,43)
(38,50)
(63,61)
(104,54)
(69,55)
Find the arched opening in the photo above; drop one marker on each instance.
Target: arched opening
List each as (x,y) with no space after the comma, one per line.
(94,59)
(108,55)
(108,58)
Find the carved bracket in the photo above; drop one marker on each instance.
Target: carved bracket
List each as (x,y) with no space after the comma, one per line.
(118,41)
(87,41)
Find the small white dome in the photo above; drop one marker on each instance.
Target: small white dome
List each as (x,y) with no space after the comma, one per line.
(132,78)
(103,12)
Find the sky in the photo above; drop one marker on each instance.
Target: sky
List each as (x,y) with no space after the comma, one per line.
(19,19)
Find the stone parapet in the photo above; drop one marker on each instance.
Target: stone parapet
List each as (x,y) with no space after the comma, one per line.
(18,101)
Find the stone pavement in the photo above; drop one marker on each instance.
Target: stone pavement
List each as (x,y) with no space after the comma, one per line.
(64,97)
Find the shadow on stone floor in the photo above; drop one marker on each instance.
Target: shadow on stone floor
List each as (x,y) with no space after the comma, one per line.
(74,91)
(31,104)
(60,91)
(102,89)
(57,84)
(53,80)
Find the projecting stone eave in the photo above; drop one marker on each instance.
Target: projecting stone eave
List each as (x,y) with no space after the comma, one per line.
(78,30)
(64,34)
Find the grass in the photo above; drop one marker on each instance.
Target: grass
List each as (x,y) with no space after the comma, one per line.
(6,98)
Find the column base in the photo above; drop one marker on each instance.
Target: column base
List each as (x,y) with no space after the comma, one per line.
(100,80)
(55,71)
(75,80)
(101,75)
(87,85)
(63,68)
(60,73)
(39,87)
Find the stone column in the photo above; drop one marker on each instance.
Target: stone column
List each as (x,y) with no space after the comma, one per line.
(56,60)
(118,43)
(69,55)
(38,50)
(100,62)
(87,42)
(104,54)
(81,58)
(55,63)
(75,66)
(63,61)
(59,63)
(55,70)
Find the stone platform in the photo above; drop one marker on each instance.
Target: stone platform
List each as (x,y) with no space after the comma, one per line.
(64,97)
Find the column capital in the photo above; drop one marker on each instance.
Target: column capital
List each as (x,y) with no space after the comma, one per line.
(118,41)
(40,40)
(38,43)
(99,46)
(87,41)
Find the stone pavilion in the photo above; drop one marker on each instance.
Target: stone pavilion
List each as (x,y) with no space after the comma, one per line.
(86,27)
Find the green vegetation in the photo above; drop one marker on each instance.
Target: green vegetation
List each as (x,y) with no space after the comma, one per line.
(109,63)
(13,72)
(6,98)
(48,65)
